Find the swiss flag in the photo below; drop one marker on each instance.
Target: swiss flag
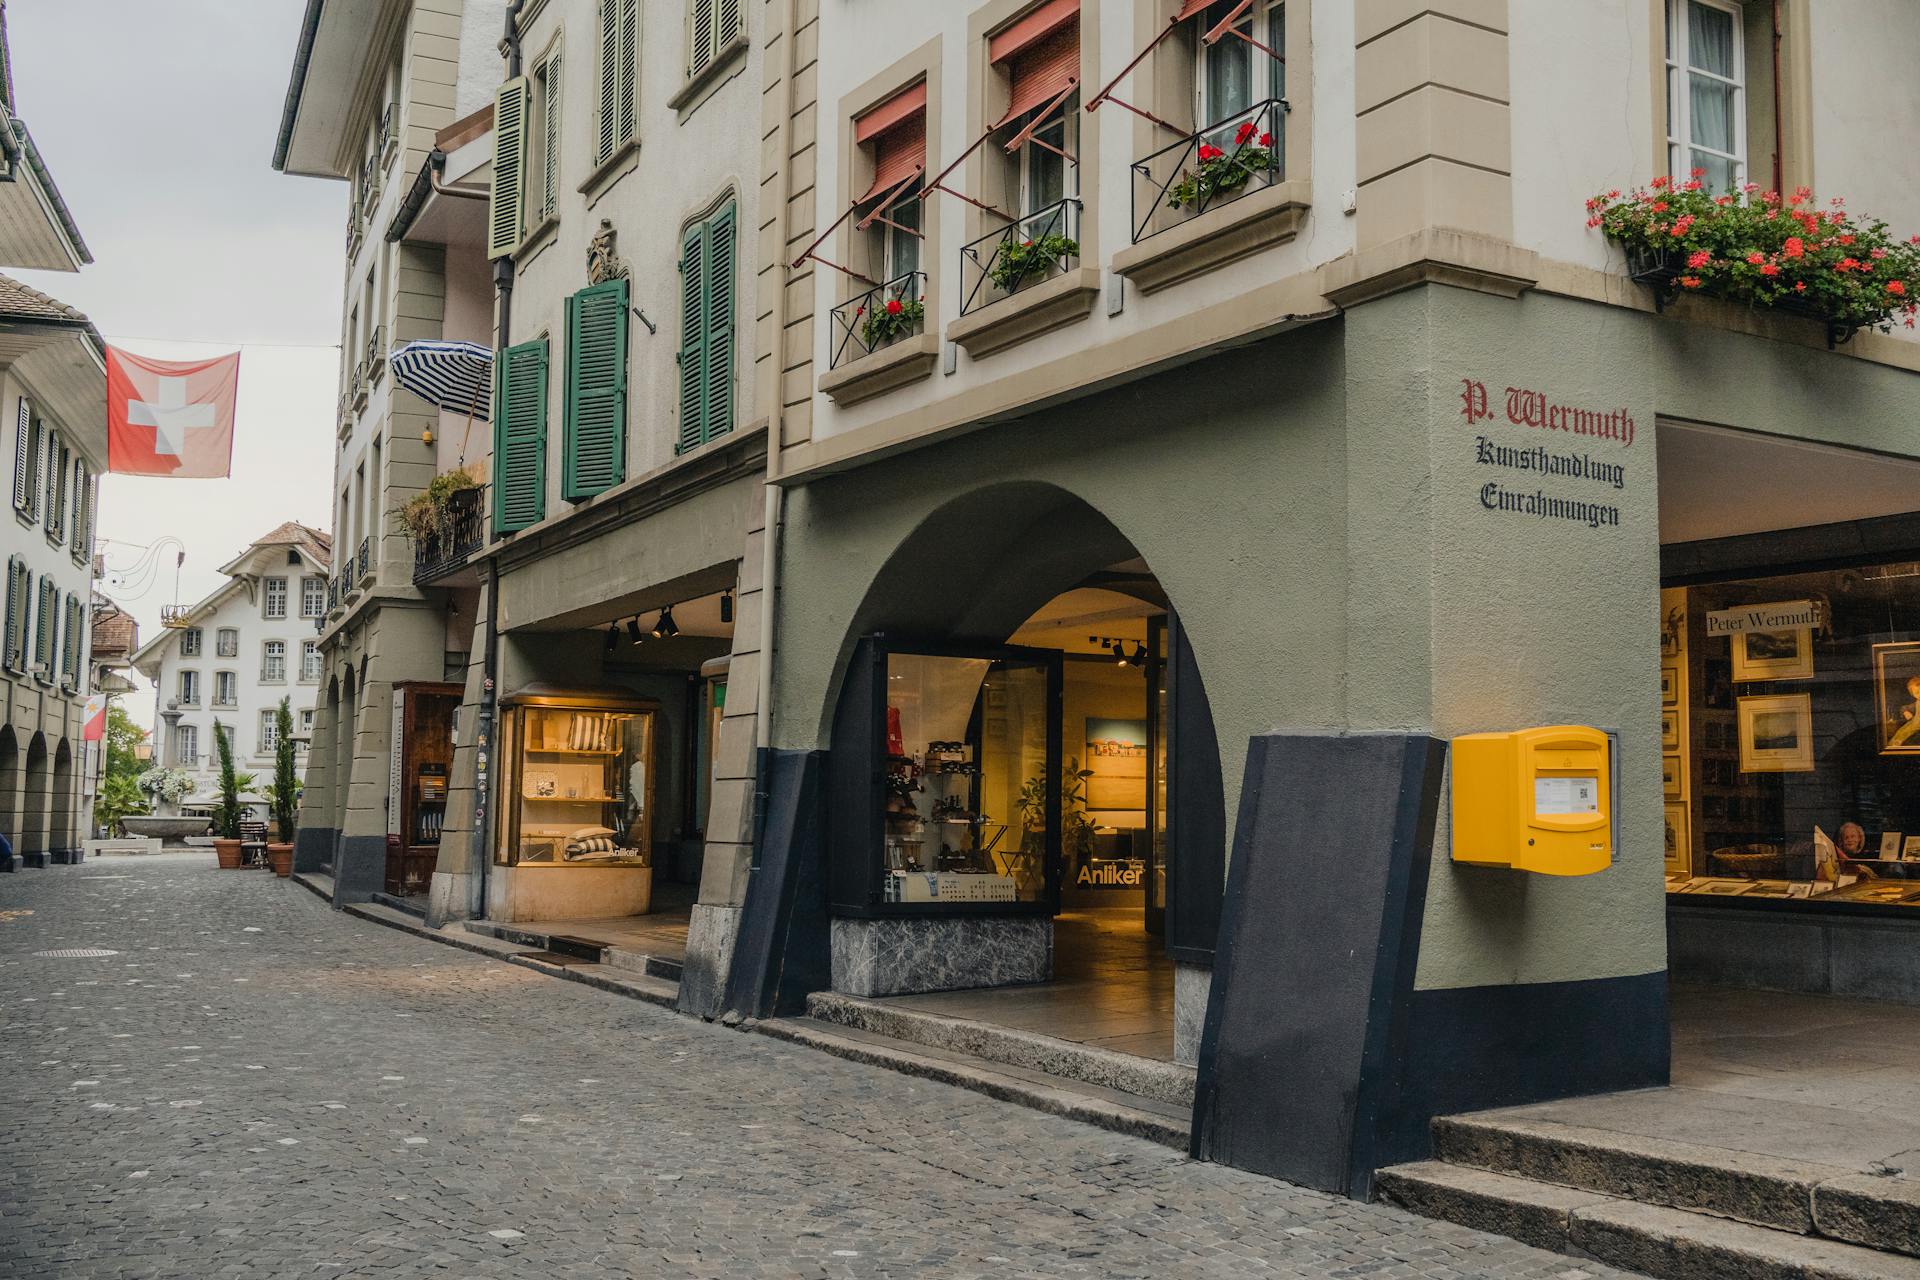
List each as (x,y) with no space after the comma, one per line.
(170,417)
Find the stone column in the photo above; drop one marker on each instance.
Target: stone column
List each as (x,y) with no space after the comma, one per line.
(314,843)
(460,871)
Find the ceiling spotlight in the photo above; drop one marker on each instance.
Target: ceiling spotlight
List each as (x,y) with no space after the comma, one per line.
(634,632)
(1119,653)
(726,606)
(613,636)
(664,628)
(1139,655)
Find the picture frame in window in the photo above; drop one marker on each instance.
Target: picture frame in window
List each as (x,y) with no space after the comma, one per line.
(1678,846)
(1910,849)
(1669,685)
(1896,678)
(1671,773)
(1773,655)
(1890,846)
(1776,733)
(1670,730)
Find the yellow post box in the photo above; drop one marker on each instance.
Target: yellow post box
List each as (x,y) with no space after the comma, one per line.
(1534,800)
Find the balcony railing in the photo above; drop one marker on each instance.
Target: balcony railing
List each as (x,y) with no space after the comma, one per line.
(363,558)
(1244,152)
(376,361)
(383,135)
(879,317)
(462,531)
(1035,248)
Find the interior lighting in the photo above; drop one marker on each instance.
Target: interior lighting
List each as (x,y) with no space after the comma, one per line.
(613,636)
(664,628)
(634,632)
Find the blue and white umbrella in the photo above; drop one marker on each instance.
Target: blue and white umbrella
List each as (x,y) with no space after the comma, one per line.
(455,376)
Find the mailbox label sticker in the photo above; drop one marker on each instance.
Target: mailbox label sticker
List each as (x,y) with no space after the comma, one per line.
(1559,796)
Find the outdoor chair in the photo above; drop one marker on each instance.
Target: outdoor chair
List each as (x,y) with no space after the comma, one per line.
(253,844)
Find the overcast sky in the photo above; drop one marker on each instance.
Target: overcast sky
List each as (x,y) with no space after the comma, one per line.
(157,121)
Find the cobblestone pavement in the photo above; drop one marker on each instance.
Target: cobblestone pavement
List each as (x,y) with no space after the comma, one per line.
(256,1086)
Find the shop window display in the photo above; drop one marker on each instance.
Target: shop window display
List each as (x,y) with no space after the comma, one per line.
(1790,737)
(578,783)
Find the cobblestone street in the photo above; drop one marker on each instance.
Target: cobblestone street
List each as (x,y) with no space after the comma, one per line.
(256,1086)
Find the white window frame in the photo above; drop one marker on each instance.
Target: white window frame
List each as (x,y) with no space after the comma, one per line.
(226,642)
(186,735)
(230,696)
(313,597)
(192,641)
(267,598)
(268,658)
(189,687)
(1680,103)
(311,664)
(269,730)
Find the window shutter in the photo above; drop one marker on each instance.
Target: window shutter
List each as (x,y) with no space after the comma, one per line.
(550,145)
(23,457)
(693,338)
(610,109)
(36,445)
(727,24)
(82,512)
(71,648)
(508,195)
(11,655)
(520,438)
(700,44)
(50,501)
(596,395)
(629,92)
(43,631)
(721,255)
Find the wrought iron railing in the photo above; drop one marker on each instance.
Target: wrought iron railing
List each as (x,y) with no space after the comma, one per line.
(363,558)
(376,353)
(370,184)
(346,582)
(1034,248)
(383,135)
(1244,152)
(462,531)
(879,317)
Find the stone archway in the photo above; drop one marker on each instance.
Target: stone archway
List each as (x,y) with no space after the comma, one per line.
(62,839)
(36,807)
(11,782)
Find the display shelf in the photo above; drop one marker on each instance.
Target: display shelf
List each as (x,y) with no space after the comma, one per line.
(527,795)
(569,751)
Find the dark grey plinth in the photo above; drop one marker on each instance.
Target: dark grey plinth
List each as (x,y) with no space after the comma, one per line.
(933,953)
(36,860)
(11,862)
(360,869)
(65,857)
(313,847)
(1790,948)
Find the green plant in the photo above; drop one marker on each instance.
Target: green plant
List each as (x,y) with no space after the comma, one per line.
(271,794)
(885,324)
(1018,260)
(1076,830)
(168,784)
(1220,171)
(286,783)
(119,798)
(1751,246)
(227,813)
(424,515)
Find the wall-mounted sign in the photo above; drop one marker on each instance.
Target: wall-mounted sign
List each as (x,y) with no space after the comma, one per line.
(1785,615)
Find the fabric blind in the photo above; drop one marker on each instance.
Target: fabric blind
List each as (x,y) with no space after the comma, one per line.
(1037,25)
(897,153)
(1191,7)
(596,390)
(895,110)
(520,438)
(508,194)
(1041,70)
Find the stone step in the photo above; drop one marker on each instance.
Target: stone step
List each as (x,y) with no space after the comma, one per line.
(1072,1099)
(1167,1082)
(1673,1244)
(408,905)
(1803,1197)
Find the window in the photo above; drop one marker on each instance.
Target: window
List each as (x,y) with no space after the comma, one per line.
(1706,92)
(619,62)
(306,720)
(313,597)
(190,642)
(19,609)
(226,643)
(56,498)
(273,662)
(707,253)
(276,598)
(546,133)
(44,629)
(712,26)
(186,745)
(310,660)
(225,689)
(507,197)
(269,730)
(586,799)
(82,511)
(71,648)
(189,688)
(896,134)
(1040,57)
(26,456)
(594,417)
(520,438)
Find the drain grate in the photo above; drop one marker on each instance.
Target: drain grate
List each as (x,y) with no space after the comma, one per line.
(75,953)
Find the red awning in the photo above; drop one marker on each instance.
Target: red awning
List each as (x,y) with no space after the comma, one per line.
(898,154)
(1190,8)
(1037,25)
(1043,70)
(907,102)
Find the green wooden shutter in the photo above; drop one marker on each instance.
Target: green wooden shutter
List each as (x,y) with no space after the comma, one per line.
(596,394)
(16,634)
(505,203)
(722,256)
(609,80)
(520,438)
(693,338)
(629,89)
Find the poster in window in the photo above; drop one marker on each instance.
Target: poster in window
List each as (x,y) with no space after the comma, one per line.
(1678,848)
(1117,755)
(1776,733)
(1773,655)
(1670,775)
(1896,674)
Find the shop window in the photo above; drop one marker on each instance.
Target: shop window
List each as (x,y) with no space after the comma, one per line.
(579,784)
(1790,733)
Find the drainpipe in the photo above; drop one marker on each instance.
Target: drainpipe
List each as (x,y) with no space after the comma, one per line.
(776,416)
(488,735)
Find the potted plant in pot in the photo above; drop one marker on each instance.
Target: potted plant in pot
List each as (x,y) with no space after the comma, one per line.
(286,789)
(227,813)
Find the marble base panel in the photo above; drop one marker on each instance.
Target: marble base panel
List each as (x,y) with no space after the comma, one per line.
(891,957)
(703,975)
(1191,983)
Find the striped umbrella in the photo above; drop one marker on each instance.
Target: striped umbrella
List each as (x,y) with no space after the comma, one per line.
(455,376)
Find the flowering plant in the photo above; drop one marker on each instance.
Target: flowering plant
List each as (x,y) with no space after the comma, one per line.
(1754,247)
(1019,259)
(890,322)
(1220,171)
(169,784)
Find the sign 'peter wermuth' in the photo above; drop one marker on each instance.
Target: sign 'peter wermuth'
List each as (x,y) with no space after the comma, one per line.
(1784,615)
(170,417)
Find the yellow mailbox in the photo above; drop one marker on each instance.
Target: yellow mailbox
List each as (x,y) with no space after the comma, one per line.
(1534,800)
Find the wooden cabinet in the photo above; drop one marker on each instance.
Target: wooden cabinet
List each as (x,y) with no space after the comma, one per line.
(422,774)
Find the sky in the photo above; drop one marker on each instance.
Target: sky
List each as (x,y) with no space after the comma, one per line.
(158,122)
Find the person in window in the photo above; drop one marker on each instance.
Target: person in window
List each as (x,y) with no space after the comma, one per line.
(1906,723)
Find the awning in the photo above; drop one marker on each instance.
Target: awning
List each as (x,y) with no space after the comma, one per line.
(455,376)
(1036,26)
(1043,69)
(897,129)
(900,107)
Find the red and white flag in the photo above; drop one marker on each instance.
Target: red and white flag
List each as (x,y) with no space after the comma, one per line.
(94,722)
(170,417)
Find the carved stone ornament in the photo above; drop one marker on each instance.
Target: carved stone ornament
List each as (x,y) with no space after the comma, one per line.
(603,264)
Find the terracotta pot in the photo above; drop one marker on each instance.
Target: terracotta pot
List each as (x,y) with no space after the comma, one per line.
(228,851)
(280,858)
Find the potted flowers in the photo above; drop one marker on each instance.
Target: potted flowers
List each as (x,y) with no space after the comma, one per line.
(286,789)
(1018,261)
(1752,246)
(1220,171)
(897,319)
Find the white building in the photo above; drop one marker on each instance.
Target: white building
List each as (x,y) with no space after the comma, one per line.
(229,659)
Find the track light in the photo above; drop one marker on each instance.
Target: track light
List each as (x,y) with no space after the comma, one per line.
(664,627)
(1139,655)
(634,632)
(613,636)
(726,606)
(1119,652)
